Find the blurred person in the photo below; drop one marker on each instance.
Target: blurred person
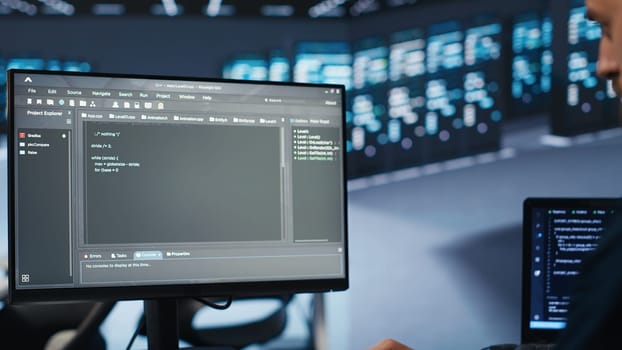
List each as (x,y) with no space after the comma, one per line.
(595,313)
(595,310)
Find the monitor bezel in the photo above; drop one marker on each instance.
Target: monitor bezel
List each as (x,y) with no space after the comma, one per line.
(157,291)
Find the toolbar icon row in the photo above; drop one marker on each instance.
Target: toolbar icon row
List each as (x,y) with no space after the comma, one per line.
(137,105)
(85,103)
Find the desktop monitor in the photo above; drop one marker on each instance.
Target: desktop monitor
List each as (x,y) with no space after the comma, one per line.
(153,187)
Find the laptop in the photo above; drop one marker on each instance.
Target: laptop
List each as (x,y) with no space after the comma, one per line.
(558,234)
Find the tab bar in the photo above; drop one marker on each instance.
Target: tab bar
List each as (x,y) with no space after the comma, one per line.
(148,255)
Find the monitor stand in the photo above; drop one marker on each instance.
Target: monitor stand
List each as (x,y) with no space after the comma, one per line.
(161,320)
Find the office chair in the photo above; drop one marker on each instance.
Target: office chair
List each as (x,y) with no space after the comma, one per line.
(52,326)
(237,336)
(37,326)
(86,335)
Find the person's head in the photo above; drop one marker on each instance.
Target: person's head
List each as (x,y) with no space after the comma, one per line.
(609,14)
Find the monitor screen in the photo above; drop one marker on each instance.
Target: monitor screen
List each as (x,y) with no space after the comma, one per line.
(134,187)
(559,234)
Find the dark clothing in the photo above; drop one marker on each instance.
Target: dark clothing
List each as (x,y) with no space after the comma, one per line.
(595,311)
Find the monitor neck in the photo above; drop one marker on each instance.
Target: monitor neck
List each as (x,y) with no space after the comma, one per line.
(161,324)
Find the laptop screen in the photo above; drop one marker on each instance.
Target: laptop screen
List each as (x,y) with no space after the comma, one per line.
(558,234)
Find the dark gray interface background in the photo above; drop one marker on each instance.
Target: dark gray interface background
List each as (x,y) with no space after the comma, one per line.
(187,183)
